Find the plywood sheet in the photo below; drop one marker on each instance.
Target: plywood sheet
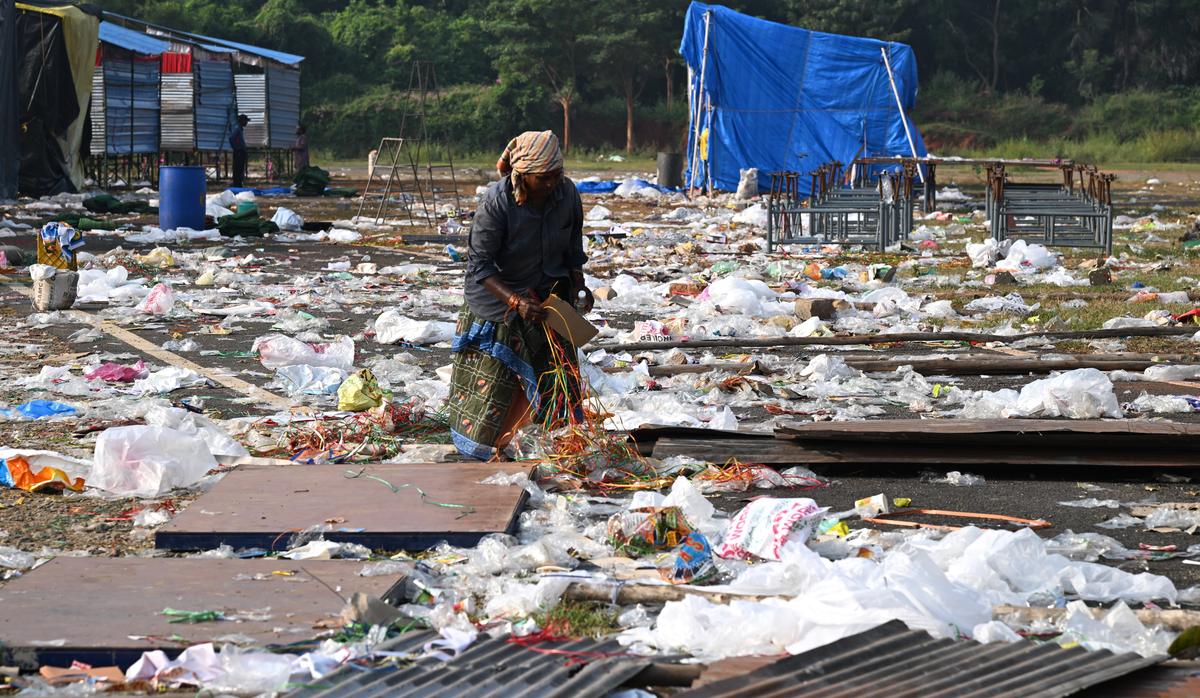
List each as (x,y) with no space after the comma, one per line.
(383,508)
(105,611)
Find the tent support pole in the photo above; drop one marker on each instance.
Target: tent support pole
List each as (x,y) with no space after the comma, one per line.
(697,107)
(903,117)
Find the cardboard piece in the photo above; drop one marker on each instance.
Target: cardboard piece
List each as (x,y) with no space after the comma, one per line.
(57,676)
(568,323)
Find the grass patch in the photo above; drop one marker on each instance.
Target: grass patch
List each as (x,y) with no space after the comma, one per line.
(578,619)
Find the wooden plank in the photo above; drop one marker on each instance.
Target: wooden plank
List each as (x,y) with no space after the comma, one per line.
(105,611)
(783,453)
(259,506)
(948,336)
(980,431)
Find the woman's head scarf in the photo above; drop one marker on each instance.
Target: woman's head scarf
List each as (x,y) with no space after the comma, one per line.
(532,152)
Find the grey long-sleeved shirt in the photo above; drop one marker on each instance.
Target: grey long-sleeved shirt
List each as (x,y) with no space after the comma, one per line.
(526,248)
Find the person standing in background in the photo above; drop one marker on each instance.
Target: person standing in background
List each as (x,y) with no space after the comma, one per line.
(237,141)
(300,148)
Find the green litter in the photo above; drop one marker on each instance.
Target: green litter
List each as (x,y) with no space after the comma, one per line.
(178,616)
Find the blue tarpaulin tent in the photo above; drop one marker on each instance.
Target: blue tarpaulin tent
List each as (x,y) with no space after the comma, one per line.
(782,98)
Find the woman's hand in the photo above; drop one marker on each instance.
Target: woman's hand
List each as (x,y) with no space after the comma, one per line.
(530,311)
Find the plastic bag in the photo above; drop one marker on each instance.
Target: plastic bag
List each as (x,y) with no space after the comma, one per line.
(277,350)
(310,380)
(392,327)
(287,219)
(37,409)
(117,373)
(159,301)
(359,392)
(1084,393)
(747,187)
(762,527)
(17,472)
(146,461)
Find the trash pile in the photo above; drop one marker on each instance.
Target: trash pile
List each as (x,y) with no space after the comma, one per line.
(267,342)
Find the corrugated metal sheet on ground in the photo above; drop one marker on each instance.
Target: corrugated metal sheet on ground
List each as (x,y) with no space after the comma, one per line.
(138,42)
(283,100)
(131,106)
(490,667)
(178,113)
(892,660)
(215,104)
(252,101)
(1175,679)
(97,113)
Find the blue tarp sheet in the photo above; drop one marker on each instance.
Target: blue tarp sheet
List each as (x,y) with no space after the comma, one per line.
(790,99)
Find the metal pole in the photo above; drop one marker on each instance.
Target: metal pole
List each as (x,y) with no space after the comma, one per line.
(696,109)
(903,119)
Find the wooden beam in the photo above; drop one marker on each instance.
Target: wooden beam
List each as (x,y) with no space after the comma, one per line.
(843,340)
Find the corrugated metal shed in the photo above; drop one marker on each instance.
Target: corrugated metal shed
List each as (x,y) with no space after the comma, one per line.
(178,127)
(97,112)
(131,106)
(278,56)
(131,40)
(283,105)
(491,667)
(252,101)
(216,107)
(892,660)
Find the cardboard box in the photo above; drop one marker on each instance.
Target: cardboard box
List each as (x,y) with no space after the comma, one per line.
(568,323)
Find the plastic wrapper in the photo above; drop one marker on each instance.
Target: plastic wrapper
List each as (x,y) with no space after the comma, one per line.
(287,219)
(167,380)
(762,527)
(359,392)
(1084,393)
(277,350)
(145,461)
(647,530)
(17,472)
(691,562)
(15,559)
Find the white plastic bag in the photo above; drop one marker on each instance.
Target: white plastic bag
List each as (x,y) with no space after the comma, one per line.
(392,327)
(147,461)
(277,350)
(287,219)
(159,301)
(1085,393)
(747,183)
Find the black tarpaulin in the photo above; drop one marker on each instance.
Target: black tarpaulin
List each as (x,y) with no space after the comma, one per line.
(10,151)
(47,104)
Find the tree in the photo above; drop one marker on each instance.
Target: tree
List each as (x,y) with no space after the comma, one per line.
(539,40)
(626,41)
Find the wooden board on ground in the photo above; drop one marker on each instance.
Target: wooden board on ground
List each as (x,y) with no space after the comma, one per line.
(1095,433)
(105,611)
(382,508)
(784,452)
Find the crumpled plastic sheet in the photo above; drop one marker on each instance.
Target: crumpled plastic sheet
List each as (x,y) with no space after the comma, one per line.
(946,587)
(277,350)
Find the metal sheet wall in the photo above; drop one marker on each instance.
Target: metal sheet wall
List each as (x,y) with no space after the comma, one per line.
(283,104)
(97,113)
(178,128)
(216,104)
(252,101)
(131,106)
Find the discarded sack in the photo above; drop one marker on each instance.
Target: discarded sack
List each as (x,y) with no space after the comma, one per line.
(762,527)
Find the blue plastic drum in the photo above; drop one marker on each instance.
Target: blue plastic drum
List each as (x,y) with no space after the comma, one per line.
(181,198)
